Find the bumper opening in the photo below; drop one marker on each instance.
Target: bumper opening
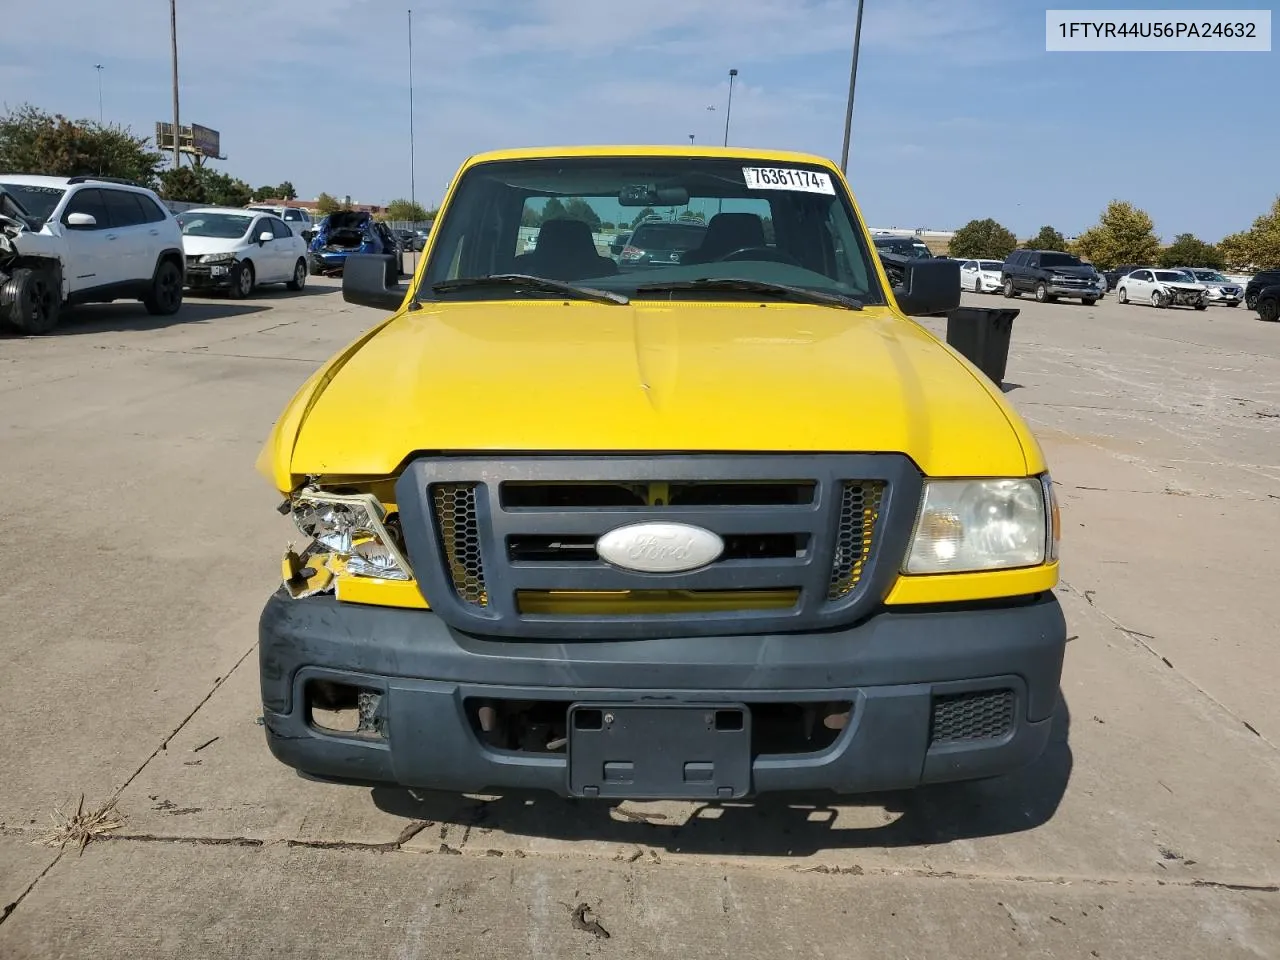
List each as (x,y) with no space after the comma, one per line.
(344,709)
(541,726)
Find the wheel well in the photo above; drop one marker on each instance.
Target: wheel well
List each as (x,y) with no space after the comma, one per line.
(52,264)
(171,256)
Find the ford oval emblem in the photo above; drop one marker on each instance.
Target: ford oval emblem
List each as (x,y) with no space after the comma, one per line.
(659,547)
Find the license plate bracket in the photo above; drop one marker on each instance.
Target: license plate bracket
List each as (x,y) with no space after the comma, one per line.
(659,752)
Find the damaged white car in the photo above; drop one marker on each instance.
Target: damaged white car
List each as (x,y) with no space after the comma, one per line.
(71,240)
(1163,288)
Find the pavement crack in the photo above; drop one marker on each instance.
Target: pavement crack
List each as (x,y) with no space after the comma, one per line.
(1147,642)
(7,911)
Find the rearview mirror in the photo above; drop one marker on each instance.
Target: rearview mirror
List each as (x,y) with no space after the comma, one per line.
(648,195)
(81,221)
(372,280)
(923,288)
(266,235)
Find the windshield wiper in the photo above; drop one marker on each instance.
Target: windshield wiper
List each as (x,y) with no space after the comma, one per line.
(784,291)
(532,283)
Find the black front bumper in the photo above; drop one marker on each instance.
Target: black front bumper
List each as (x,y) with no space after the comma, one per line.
(892,667)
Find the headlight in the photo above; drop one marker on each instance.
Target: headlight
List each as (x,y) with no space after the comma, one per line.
(353,527)
(217,258)
(972,525)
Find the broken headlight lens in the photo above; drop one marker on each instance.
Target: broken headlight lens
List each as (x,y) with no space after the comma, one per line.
(972,525)
(354,528)
(217,258)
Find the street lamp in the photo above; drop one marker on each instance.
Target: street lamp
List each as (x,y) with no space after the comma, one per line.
(173,43)
(691,139)
(729,109)
(853,80)
(98,67)
(413,197)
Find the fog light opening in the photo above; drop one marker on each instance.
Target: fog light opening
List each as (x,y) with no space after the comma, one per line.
(345,709)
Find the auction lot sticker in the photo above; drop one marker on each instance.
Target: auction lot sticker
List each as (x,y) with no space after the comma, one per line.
(787,178)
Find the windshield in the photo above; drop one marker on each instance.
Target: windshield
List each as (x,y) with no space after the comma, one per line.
(1173,276)
(1059,260)
(223,226)
(556,218)
(995,266)
(1211,276)
(37,201)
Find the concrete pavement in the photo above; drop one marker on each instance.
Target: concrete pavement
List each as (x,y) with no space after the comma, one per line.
(143,544)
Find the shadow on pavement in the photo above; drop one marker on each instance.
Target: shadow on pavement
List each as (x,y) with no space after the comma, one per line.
(782,825)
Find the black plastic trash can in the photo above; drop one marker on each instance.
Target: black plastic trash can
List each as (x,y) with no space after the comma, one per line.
(982,334)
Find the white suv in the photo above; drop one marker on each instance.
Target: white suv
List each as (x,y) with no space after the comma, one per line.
(71,240)
(297,219)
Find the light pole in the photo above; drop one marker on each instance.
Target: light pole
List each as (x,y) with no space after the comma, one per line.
(729,109)
(853,81)
(413,198)
(173,43)
(98,67)
(691,139)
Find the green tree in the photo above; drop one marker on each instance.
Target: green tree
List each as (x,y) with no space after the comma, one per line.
(264,193)
(642,216)
(1048,239)
(32,141)
(1258,247)
(183,184)
(1123,234)
(530,217)
(402,209)
(694,215)
(578,209)
(285,191)
(326,204)
(1187,250)
(983,238)
(553,210)
(223,189)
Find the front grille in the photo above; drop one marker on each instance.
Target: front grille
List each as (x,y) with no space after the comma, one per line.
(508,547)
(459,532)
(961,717)
(859,510)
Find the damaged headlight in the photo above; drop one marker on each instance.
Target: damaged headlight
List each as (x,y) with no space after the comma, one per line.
(218,258)
(973,525)
(352,527)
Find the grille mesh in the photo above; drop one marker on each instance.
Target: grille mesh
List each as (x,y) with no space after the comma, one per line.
(986,715)
(455,508)
(859,511)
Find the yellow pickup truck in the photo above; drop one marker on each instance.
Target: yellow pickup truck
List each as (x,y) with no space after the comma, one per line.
(707,525)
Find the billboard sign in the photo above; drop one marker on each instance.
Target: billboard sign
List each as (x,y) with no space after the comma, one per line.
(195,139)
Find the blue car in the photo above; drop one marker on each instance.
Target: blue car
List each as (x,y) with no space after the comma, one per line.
(348,231)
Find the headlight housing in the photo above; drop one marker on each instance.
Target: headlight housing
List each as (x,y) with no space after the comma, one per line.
(352,527)
(966,526)
(218,258)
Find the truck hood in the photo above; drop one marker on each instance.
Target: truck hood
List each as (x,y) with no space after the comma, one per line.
(198,246)
(552,376)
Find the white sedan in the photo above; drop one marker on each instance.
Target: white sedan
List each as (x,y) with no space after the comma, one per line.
(233,249)
(980,276)
(1162,288)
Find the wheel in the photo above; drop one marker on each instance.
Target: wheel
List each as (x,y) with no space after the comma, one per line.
(1042,293)
(165,297)
(1157,299)
(1008,290)
(1234,303)
(242,280)
(34,300)
(977,285)
(1251,301)
(1269,310)
(314,269)
(1202,306)
(1122,295)
(299,275)
(1089,301)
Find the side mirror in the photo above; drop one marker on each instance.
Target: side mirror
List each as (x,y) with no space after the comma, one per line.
(372,280)
(266,235)
(81,221)
(923,288)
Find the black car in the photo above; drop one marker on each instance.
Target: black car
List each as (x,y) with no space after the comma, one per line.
(1050,274)
(662,242)
(909,247)
(619,242)
(1266,278)
(1268,303)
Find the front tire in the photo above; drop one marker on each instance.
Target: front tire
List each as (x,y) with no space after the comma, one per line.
(1157,299)
(299,275)
(34,300)
(1122,295)
(1251,302)
(1089,301)
(977,285)
(165,298)
(1008,288)
(1269,310)
(242,280)
(1042,293)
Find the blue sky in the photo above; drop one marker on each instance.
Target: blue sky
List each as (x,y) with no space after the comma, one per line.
(960,111)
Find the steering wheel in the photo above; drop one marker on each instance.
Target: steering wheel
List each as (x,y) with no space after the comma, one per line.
(759,253)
